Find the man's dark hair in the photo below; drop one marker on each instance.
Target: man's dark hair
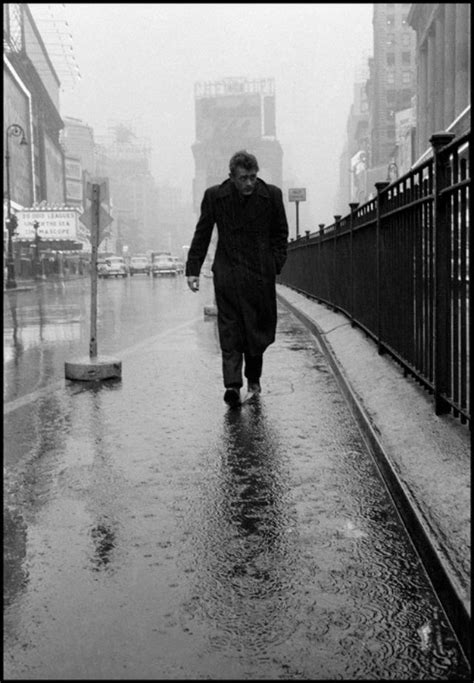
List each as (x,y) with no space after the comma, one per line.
(245,160)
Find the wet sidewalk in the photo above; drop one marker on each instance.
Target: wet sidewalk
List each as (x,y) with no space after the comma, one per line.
(424,458)
(153,533)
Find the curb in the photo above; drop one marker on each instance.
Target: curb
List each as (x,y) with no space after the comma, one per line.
(425,546)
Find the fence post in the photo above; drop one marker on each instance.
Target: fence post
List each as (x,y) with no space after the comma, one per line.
(380,186)
(441,345)
(353,206)
(334,262)
(320,248)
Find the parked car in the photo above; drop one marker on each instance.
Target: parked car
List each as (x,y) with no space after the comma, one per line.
(139,264)
(163,264)
(101,267)
(179,265)
(115,266)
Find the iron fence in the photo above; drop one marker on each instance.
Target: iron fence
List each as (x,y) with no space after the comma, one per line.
(398,266)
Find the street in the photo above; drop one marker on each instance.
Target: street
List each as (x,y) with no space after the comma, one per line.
(151,532)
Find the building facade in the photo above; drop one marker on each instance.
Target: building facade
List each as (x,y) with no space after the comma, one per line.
(233,114)
(77,138)
(35,180)
(380,127)
(443,44)
(31,94)
(124,159)
(392,81)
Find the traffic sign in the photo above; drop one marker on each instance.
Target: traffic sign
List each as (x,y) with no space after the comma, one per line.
(297,194)
(105,218)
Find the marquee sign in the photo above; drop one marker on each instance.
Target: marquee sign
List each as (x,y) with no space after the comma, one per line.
(54,224)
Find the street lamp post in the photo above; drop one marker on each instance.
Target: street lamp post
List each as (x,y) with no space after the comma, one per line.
(16,130)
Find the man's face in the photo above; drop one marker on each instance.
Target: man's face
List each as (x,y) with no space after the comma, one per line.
(244,180)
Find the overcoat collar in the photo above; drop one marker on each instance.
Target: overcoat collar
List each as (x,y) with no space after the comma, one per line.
(225,188)
(224,193)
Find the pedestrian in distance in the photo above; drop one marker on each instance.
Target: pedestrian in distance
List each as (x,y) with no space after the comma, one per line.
(251,250)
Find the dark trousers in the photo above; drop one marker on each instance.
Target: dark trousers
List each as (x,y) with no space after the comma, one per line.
(232,368)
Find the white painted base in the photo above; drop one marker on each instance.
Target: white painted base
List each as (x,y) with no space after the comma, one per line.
(93,369)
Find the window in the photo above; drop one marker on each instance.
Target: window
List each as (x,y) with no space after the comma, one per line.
(391,97)
(391,58)
(405,39)
(390,20)
(406,58)
(390,77)
(406,77)
(405,98)
(390,39)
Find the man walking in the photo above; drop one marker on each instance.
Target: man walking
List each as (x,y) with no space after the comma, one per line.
(251,251)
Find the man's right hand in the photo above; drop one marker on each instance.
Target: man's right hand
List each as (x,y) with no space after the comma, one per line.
(193,283)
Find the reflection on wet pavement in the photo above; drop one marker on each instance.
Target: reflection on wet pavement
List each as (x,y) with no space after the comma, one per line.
(151,532)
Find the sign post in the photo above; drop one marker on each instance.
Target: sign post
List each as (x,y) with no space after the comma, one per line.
(94,248)
(94,367)
(297,195)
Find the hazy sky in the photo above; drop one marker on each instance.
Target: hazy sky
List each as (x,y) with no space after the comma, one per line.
(139,62)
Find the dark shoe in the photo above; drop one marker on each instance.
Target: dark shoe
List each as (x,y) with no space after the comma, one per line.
(232,396)
(254,387)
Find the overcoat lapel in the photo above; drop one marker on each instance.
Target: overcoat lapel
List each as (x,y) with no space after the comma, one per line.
(224,199)
(257,204)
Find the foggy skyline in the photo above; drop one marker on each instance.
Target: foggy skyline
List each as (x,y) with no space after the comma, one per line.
(139,63)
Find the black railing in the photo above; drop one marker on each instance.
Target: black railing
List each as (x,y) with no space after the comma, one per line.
(398,267)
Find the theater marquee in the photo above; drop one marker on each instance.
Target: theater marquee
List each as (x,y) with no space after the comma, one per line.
(59,224)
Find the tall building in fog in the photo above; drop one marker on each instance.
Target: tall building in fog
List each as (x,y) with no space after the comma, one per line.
(380,127)
(443,32)
(392,82)
(233,114)
(77,139)
(124,159)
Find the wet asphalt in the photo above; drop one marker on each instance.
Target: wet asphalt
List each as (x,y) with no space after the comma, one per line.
(151,532)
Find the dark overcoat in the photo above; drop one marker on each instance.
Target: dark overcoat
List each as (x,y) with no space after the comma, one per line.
(251,250)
